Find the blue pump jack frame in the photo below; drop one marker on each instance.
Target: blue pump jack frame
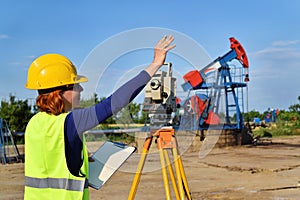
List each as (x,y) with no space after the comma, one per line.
(228,86)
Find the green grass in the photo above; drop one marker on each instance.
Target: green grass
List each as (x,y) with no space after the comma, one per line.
(279,129)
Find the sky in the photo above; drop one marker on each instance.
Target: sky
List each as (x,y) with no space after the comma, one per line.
(83,31)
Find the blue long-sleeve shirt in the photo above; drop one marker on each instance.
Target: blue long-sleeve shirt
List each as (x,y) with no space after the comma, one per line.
(81,120)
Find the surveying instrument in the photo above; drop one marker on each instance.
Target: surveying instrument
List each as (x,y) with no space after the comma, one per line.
(160,103)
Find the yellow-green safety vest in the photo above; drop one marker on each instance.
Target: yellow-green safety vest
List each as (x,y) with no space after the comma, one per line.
(46,172)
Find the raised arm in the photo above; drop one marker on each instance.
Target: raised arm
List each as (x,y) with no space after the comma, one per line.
(81,120)
(86,119)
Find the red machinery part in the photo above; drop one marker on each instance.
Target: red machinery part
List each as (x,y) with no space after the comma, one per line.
(241,53)
(178,100)
(197,106)
(193,77)
(213,119)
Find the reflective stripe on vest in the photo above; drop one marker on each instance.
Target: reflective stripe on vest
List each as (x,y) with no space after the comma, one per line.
(56,183)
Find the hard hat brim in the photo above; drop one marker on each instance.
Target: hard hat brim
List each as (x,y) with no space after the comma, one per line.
(81,79)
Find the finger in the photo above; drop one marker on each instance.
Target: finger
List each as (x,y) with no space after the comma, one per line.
(162,40)
(167,43)
(170,38)
(170,47)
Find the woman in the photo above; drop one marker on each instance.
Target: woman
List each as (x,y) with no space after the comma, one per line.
(56,161)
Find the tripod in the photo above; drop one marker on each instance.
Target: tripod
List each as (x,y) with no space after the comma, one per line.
(166,140)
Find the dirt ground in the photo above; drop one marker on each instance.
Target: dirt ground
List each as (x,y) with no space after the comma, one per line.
(265,171)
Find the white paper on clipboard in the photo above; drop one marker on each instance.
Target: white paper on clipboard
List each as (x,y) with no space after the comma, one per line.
(108,159)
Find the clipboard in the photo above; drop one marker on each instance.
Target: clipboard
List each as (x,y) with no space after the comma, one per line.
(108,159)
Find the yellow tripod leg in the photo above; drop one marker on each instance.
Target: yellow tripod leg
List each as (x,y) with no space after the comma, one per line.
(141,164)
(164,174)
(172,176)
(178,173)
(183,176)
(186,187)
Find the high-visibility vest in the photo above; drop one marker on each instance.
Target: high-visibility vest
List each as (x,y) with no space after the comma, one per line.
(46,172)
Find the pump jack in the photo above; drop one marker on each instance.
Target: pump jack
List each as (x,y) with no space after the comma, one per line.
(206,107)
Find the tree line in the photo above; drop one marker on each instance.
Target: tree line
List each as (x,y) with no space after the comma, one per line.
(18,112)
(292,114)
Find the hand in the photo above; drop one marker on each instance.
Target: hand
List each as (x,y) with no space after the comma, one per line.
(90,157)
(160,52)
(161,49)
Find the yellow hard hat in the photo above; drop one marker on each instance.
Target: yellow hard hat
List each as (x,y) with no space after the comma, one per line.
(50,71)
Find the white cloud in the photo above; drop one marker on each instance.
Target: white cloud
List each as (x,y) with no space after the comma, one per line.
(15,63)
(279,50)
(285,43)
(3,36)
(277,53)
(30,57)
